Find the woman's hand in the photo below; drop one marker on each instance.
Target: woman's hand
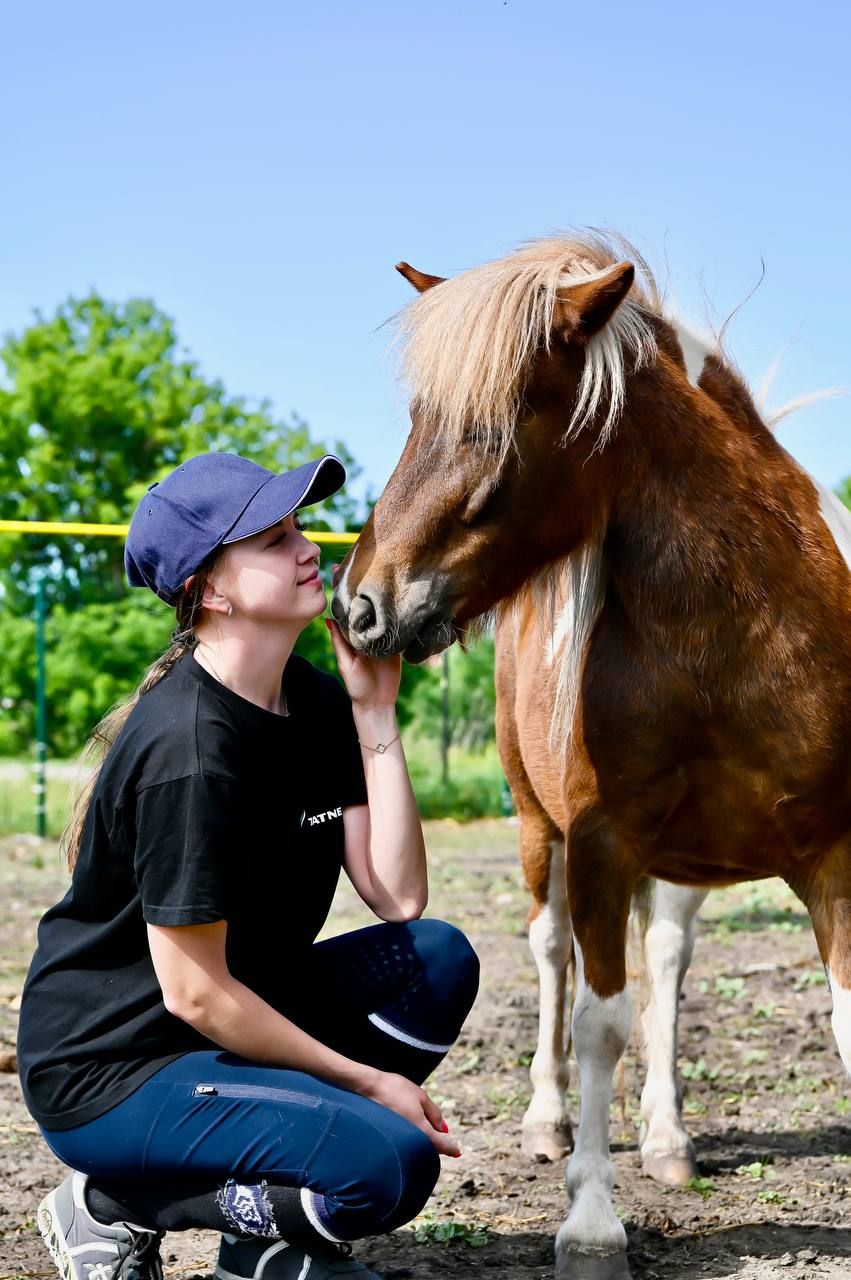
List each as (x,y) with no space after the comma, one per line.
(407,1099)
(371,682)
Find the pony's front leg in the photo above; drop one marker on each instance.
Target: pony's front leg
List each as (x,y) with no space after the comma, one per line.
(546,1127)
(591,1245)
(666,1149)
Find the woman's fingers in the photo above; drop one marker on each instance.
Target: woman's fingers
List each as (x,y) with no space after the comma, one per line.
(343,651)
(445,1145)
(433,1114)
(438,1129)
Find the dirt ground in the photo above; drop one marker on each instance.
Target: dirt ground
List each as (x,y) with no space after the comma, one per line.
(766,1097)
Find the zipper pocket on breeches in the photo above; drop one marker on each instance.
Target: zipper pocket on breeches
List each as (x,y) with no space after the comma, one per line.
(227,1090)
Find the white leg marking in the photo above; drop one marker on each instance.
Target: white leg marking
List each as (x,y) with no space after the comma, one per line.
(668,950)
(600,1032)
(549,940)
(841,1019)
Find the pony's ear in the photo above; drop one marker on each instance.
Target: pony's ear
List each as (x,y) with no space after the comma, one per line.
(582,309)
(418,279)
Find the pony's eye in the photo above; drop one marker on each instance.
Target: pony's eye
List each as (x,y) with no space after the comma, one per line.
(483,439)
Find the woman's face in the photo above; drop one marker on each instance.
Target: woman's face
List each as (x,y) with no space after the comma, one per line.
(272,576)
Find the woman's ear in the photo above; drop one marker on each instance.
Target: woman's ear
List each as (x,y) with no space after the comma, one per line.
(213,599)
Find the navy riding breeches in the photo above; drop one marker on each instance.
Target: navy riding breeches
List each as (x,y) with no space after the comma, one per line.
(392,995)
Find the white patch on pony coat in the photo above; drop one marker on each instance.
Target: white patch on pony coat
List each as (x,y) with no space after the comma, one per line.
(837,517)
(550,938)
(695,350)
(668,949)
(566,599)
(562,628)
(600,1033)
(841,1019)
(342,588)
(587,589)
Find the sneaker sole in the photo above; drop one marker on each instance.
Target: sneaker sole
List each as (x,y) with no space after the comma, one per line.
(54,1237)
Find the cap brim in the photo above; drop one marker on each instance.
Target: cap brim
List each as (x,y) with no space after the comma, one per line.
(281,495)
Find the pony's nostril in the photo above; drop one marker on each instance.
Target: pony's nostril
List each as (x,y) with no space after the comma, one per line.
(338,609)
(361,614)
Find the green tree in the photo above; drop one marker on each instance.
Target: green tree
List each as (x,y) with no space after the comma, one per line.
(95,404)
(98,402)
(472,697)
(844,492)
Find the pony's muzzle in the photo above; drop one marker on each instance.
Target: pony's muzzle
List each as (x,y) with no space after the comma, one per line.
(363,616)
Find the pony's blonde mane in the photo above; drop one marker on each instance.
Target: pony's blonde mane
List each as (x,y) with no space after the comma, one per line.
(468,348)
(468,344)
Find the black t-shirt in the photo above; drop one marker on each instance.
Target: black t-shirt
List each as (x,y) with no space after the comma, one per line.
(207,808)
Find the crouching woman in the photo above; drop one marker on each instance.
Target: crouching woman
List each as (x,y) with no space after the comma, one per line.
(186,1046)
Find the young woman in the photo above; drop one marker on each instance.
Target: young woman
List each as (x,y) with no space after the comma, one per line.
(185,1045)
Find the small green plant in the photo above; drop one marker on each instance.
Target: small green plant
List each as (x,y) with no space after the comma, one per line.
(758,1169)
(703,1186)
(754,1055)
(786,926)
(699,1071)
(766,1010)
(842,1105)
(810,978)
(506,1103)
(470,1063)
(729,988)
(770,1197)
(447,1233)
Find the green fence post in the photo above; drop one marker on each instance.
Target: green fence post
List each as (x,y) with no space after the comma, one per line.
(40,787)
(446,728)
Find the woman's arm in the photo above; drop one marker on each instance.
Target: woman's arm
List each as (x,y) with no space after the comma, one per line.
(198,988)
(385,853)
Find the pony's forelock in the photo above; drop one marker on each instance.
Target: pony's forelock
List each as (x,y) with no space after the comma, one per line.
(468,344)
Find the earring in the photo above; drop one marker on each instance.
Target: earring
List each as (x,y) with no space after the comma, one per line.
(230,610)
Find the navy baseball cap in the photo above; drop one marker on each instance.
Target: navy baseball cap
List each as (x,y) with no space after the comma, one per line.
(209,501)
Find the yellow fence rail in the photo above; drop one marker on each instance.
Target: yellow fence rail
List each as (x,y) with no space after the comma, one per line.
(78,528)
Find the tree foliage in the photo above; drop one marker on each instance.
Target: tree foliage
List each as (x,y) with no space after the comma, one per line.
(95,404)
(98,403)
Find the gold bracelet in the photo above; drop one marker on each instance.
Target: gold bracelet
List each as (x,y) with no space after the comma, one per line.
(382,746)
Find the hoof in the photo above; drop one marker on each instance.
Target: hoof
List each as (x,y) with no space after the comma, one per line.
(671,1171)
(571,1265)
(542,1142)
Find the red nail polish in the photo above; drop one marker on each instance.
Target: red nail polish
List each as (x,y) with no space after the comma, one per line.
(445,1128)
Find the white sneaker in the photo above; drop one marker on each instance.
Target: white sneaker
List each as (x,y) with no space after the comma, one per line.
(84,1249)
(241,1259)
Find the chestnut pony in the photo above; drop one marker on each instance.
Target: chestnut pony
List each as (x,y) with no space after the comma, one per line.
(672,599)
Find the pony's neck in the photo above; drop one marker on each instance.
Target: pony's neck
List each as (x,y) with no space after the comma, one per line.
(704,518)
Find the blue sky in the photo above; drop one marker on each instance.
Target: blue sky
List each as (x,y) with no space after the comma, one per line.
(258,168)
